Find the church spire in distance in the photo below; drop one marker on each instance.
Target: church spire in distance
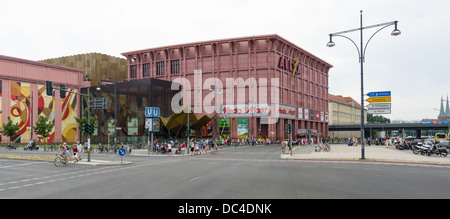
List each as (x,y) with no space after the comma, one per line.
(447,108)
(441,111)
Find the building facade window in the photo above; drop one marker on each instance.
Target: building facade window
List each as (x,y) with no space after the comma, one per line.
(175,67)
(160,68)
(133,71)
(146,70)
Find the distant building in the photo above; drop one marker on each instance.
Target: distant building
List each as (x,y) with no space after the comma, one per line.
(96,66)
(344,111)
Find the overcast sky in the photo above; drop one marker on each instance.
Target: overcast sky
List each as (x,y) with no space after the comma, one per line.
(413,66)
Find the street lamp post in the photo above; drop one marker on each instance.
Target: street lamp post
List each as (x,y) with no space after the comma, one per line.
(115,108)
(214,87)
(361,54)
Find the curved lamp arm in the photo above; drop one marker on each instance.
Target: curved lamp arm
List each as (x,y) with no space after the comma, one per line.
(331,44)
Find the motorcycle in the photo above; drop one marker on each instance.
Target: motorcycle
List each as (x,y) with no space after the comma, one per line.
(403,145)
(420,148)
(11,146)
(438,151)
(31,146)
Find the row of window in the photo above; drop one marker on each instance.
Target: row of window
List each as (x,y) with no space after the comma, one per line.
(160,69)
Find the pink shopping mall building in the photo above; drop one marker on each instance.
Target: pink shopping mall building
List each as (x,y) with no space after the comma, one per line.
(23,98)
(248,75)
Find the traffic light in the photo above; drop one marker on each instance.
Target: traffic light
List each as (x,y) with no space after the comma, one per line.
(62,91)
(146,131)
(188,132)
(91,129)
(49,87)
(288,128)
(85,128)
(88,129)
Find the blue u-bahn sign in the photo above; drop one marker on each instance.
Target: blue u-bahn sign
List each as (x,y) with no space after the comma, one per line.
(151,112)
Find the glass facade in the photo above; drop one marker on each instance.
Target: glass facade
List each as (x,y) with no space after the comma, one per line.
(130,99)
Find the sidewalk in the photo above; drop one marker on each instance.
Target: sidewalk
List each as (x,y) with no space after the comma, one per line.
(342,152)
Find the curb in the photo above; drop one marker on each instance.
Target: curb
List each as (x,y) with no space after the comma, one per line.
(50,159)
(367,160)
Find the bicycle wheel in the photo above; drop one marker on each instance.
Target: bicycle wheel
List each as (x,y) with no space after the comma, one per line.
(57,162)
(317,148)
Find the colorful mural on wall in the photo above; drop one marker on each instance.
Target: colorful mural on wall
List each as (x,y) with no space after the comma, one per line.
(20,112)
(69,124)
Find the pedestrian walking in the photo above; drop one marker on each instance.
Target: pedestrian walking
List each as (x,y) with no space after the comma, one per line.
(75,152)
(183,147)
(283,147)
(80,149)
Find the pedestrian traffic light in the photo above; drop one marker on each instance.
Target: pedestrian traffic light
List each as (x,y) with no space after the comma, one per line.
(62,91)
(49,88)
(146,131)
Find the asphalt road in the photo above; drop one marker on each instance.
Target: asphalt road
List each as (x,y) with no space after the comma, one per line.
(242,173)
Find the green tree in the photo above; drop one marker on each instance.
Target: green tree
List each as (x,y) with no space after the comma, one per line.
(81,121)
(43,127)
(10,129)
(377,119)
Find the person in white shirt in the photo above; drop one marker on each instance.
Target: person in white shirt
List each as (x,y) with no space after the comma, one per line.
(169,147)
(80,149)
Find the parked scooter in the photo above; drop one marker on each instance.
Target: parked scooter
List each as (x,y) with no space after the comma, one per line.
(420,148)
(438,151)
(31,146)
(403,145)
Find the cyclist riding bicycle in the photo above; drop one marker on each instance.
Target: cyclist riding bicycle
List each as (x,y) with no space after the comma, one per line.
(63,151)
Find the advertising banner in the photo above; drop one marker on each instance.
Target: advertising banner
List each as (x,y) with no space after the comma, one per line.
(242,128)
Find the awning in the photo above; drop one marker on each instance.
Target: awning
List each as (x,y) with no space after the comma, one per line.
(179,120)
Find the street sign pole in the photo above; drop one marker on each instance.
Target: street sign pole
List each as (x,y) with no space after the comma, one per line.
(152,113)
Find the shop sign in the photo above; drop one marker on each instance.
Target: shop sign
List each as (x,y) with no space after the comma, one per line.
(286,111)
(257,110)
(291,65)
(244,110)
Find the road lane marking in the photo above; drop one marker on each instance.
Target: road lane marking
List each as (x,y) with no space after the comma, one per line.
(194,179)
(78,174)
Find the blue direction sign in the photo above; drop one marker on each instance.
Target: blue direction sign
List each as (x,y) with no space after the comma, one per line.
(379,94)
(122,152)
(151,112)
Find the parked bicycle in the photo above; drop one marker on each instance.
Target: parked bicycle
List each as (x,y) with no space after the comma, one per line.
(322,146)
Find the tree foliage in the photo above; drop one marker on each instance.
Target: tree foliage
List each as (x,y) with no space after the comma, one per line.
(43,127)
(10,128)
(377,119)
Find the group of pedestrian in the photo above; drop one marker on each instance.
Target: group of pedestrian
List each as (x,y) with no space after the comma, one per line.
(75,150)
(352,141)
